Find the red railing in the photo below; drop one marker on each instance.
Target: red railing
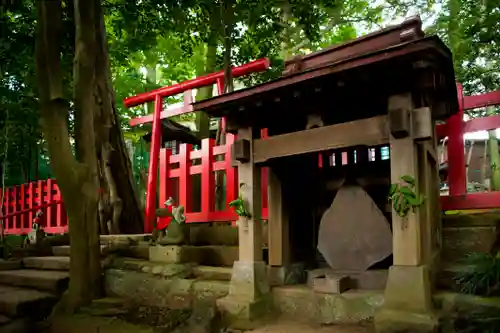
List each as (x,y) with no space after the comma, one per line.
(454,129)
(23,201)
(157,95)
(177,170)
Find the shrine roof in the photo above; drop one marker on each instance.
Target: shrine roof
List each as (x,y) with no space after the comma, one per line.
(371,67)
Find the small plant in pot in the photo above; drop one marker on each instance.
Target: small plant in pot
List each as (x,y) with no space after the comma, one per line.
(240,208)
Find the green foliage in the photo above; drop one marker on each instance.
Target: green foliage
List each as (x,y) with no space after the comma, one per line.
(481,275)
(403,196)
(483,319)
(239,205)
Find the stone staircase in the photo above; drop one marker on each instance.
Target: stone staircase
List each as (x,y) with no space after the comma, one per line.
(463,234)
(29,288)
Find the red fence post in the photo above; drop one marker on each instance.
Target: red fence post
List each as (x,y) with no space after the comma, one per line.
(207,177)
(457,178)
(231,172)
(153,164)
(31,202)
(185,197)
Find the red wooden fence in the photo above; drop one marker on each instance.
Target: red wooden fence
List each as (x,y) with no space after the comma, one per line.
(176,173)
(23,201)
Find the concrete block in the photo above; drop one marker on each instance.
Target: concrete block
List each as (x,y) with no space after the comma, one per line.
(331,284)
(168,254)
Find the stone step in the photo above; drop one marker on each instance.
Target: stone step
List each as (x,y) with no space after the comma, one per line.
(7,265)
(213,273)
(47,263)
(148,289)
(207,255)
(466,233)
(63,250)
(135,251)
(53,281)
(21,302)
(154,268)
(124,239)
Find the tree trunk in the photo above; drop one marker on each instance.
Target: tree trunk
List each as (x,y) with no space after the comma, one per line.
(116,169)
(77,178)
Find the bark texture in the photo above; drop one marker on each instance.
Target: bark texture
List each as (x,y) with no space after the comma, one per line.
(98,177)
(77,177)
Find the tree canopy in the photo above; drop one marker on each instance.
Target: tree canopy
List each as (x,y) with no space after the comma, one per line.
(154,43)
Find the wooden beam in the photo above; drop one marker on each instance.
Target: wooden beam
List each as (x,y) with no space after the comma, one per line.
(369,132)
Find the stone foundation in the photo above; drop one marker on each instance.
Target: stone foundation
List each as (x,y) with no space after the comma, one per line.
(249,297)
(408,303)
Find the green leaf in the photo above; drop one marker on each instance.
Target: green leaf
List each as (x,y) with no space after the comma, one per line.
(408,179)
(236,203)
(415,201)
(393,189)
(407,192)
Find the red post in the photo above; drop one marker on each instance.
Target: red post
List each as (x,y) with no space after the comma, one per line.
(185,197)
(13,202)
(49,209)
(153,166)
(207,176)
(231,172)
(31,202)
(456,150)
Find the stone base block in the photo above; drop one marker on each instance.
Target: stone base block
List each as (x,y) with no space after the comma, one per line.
(408,303)
(249,280)
(168,254)
(365,280)
(331,284)
(243,314)
(203,255)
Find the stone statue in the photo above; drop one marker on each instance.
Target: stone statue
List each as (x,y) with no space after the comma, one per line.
(177,232)
(36,235)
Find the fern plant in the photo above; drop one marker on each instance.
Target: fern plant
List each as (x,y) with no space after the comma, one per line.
(403,196)
(239,205)
(480,275)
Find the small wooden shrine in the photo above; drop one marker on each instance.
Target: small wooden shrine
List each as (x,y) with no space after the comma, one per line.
(386,88)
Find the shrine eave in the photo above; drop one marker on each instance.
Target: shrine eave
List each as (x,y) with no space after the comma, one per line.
(399,61)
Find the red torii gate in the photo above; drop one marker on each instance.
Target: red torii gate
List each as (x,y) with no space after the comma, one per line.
(157,96)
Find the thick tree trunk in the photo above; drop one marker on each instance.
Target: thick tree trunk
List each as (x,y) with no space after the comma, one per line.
(77,178)
(116,169)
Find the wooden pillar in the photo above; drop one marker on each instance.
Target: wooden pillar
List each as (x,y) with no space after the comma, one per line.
(408,302)
(249,292)
(406,240)
(278,227)
(250,230)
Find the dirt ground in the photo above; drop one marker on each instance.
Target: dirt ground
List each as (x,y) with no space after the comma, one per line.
(290,327)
